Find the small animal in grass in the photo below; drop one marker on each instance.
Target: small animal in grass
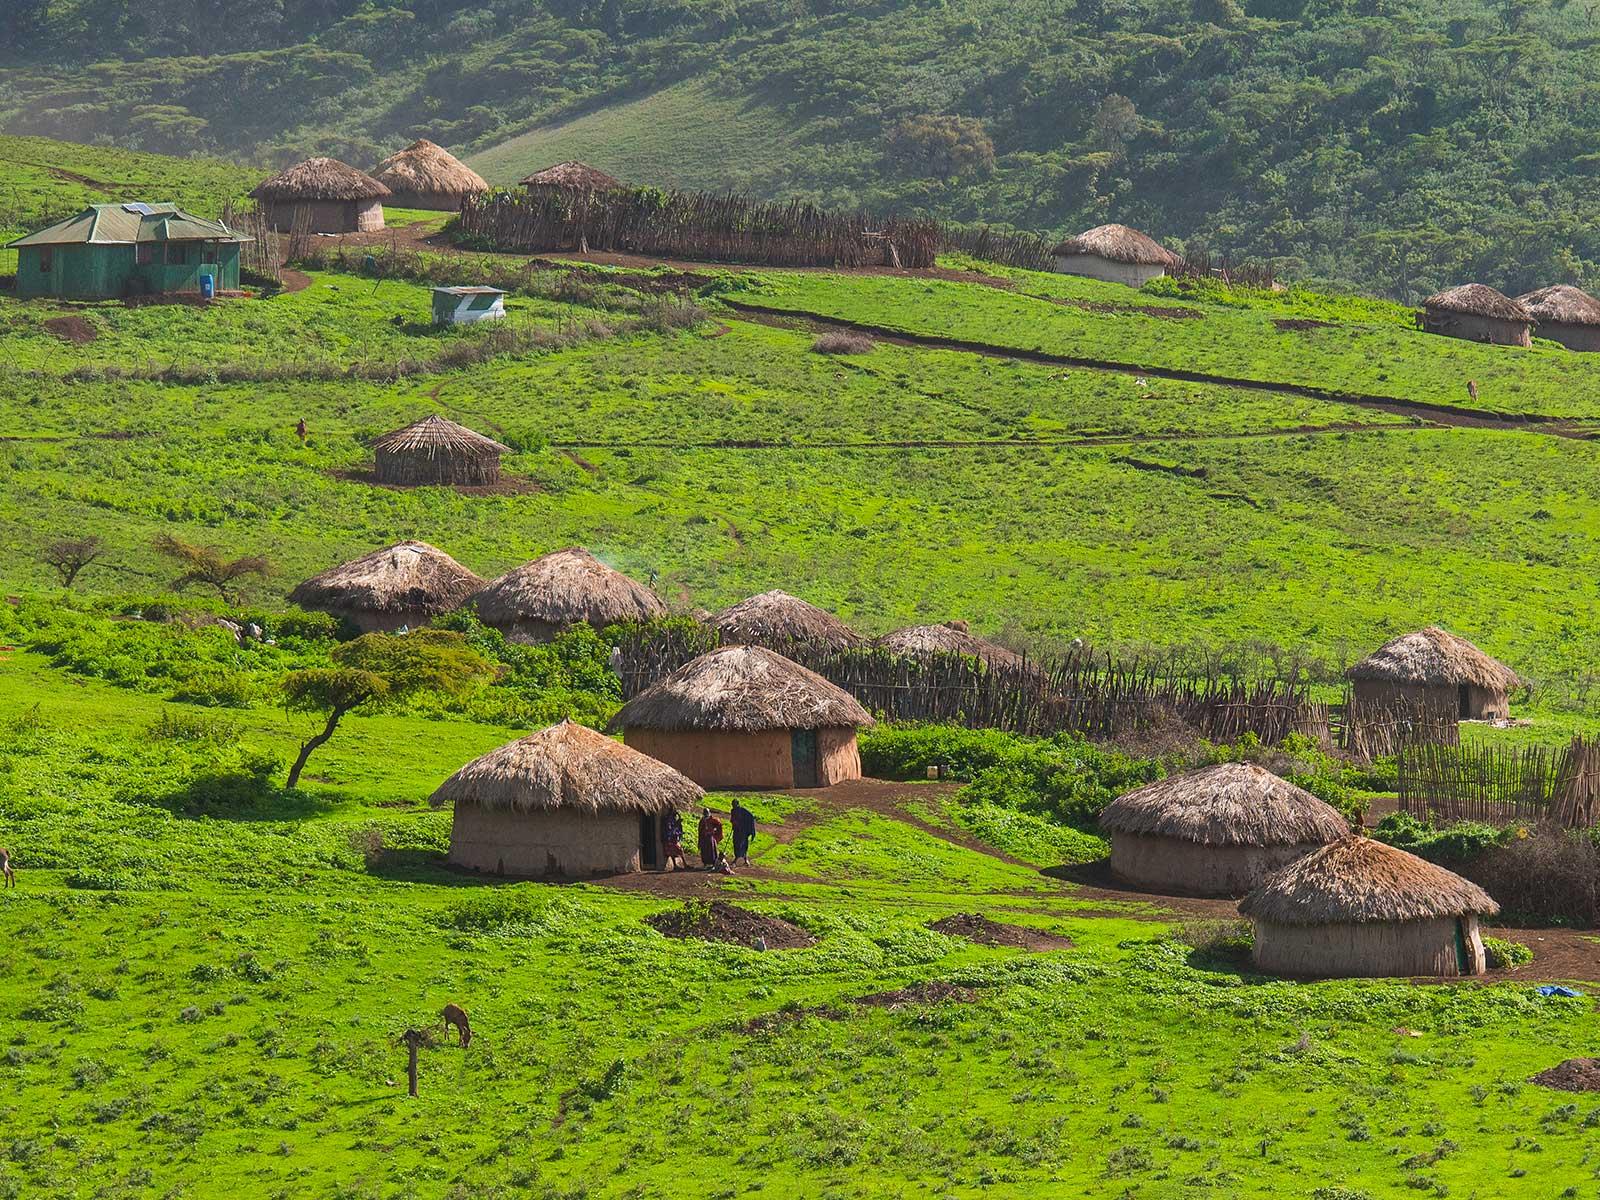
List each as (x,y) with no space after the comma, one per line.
(300,430)
(1472,389)
(455,1015)
(5,867)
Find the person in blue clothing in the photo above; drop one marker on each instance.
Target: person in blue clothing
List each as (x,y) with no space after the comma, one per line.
(744,829)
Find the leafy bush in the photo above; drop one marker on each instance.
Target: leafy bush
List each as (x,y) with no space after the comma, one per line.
(1502,954)
(1450,847)
(1545,874)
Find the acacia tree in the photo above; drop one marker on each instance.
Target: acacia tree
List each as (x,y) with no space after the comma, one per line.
(376,671)
(69,556)
(206,565)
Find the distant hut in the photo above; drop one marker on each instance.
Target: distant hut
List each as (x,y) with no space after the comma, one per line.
(1478,313)
(565,801)
(407,584)
(570,177)
(1434,674)
(777,620)
(537,600)
(1360,907)
(952,637)
(435,450)
(1565,314)
(1217,831)
(746,717)
(1116,254)
(322,195)
(425,175)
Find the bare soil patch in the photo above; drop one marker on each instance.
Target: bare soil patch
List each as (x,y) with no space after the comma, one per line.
(937,992)
(509,485)
(1161,312)
(723,922)
(976,927)
(76,330)
(1574,1075)
(1291,324)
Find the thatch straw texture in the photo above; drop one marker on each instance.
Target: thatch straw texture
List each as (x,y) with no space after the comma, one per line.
(436,450)
(742,689)
(1561,305)
(570,767)
(1478,300)
(408,578)
(572,176)
(1119,243)
(1231,804)
(1358,880)
(562,588)
(426,171)
(1434,657)
(320,179)
(776,619)
(950,638)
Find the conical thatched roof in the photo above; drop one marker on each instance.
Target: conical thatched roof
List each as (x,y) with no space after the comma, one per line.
(742,689)
(1561,304)
(1231,804)
(776,619)
(437,435)
(1478,300)
(406,577)
(1359,879)
(426,167)
(567,766)
(1119,244)
(574,176)
(1434,657)
(566,587)
(950,638)
(320,179)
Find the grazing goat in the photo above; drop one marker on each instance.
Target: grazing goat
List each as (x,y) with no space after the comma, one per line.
(455,1015)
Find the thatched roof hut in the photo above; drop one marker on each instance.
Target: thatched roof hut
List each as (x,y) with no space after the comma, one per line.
(571,177)
(777,620)
(1115,253)
(403,585)
(436,450)
(1360,907)
(425,175)
(322,195)
(1431,678)
(952,637)
(745,716)
(537,600)
(1217,831)
(563,801)
(1478,313)
(1565,314)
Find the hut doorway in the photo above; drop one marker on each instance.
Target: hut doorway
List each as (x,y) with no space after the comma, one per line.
(803,749)
(1463,960)
(648,841)
(1464,701)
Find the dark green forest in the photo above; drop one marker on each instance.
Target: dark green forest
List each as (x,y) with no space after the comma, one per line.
(1390,145)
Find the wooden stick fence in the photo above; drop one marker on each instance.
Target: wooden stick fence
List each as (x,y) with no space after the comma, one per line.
(1499,785)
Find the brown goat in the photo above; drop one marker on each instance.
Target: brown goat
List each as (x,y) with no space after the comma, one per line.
(455,1015)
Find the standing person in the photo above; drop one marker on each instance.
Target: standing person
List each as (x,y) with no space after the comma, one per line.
(672,841)
(710,831)
(744,829)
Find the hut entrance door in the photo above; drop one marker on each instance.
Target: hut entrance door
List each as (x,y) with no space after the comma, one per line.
(1462,964)
(1464,701)
(803,746)
(648,842)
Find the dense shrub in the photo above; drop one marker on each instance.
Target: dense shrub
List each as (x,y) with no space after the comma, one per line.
(841,341)
(1545,874)
(1450,846)
(1501,954)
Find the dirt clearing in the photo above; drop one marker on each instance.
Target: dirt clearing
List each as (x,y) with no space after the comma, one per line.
(937,992)
(976,927)
(76,330)
(1574,1075)
(723,922)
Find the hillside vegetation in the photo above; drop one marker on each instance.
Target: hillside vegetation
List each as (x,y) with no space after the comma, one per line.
(1393,144)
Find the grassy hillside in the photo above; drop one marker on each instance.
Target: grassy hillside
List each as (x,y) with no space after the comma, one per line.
(1399,146)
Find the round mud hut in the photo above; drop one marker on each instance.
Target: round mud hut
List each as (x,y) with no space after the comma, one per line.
(1218,831)
(778,620)
(425,175)
(565,802)
(1436,676)
(437,451)
(322,195)
(1478,313)
(537,600)
(1565,314)
(570,177)
(1114,253)
(746,717)
(1360,907)
(401,586)
(952,637)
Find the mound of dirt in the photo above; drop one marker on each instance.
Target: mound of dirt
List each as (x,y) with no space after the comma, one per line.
(1574,1075)
(1134,310)
(976,927)
(72,329)
(936,992)
(1290,324)
(723,922)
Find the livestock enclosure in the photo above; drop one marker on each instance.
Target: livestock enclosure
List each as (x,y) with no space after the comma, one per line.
(1500,785)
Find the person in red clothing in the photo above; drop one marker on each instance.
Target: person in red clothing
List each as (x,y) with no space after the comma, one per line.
(710,831)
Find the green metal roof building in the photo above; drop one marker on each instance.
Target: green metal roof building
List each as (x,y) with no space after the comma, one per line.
(111,250)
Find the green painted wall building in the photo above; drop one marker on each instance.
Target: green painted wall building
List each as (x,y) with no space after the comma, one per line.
(114,250)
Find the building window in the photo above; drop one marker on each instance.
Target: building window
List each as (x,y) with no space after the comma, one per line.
(144,253)
(208,252)
(177,254)
(47,259)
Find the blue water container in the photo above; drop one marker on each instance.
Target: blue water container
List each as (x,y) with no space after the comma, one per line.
(208,286)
